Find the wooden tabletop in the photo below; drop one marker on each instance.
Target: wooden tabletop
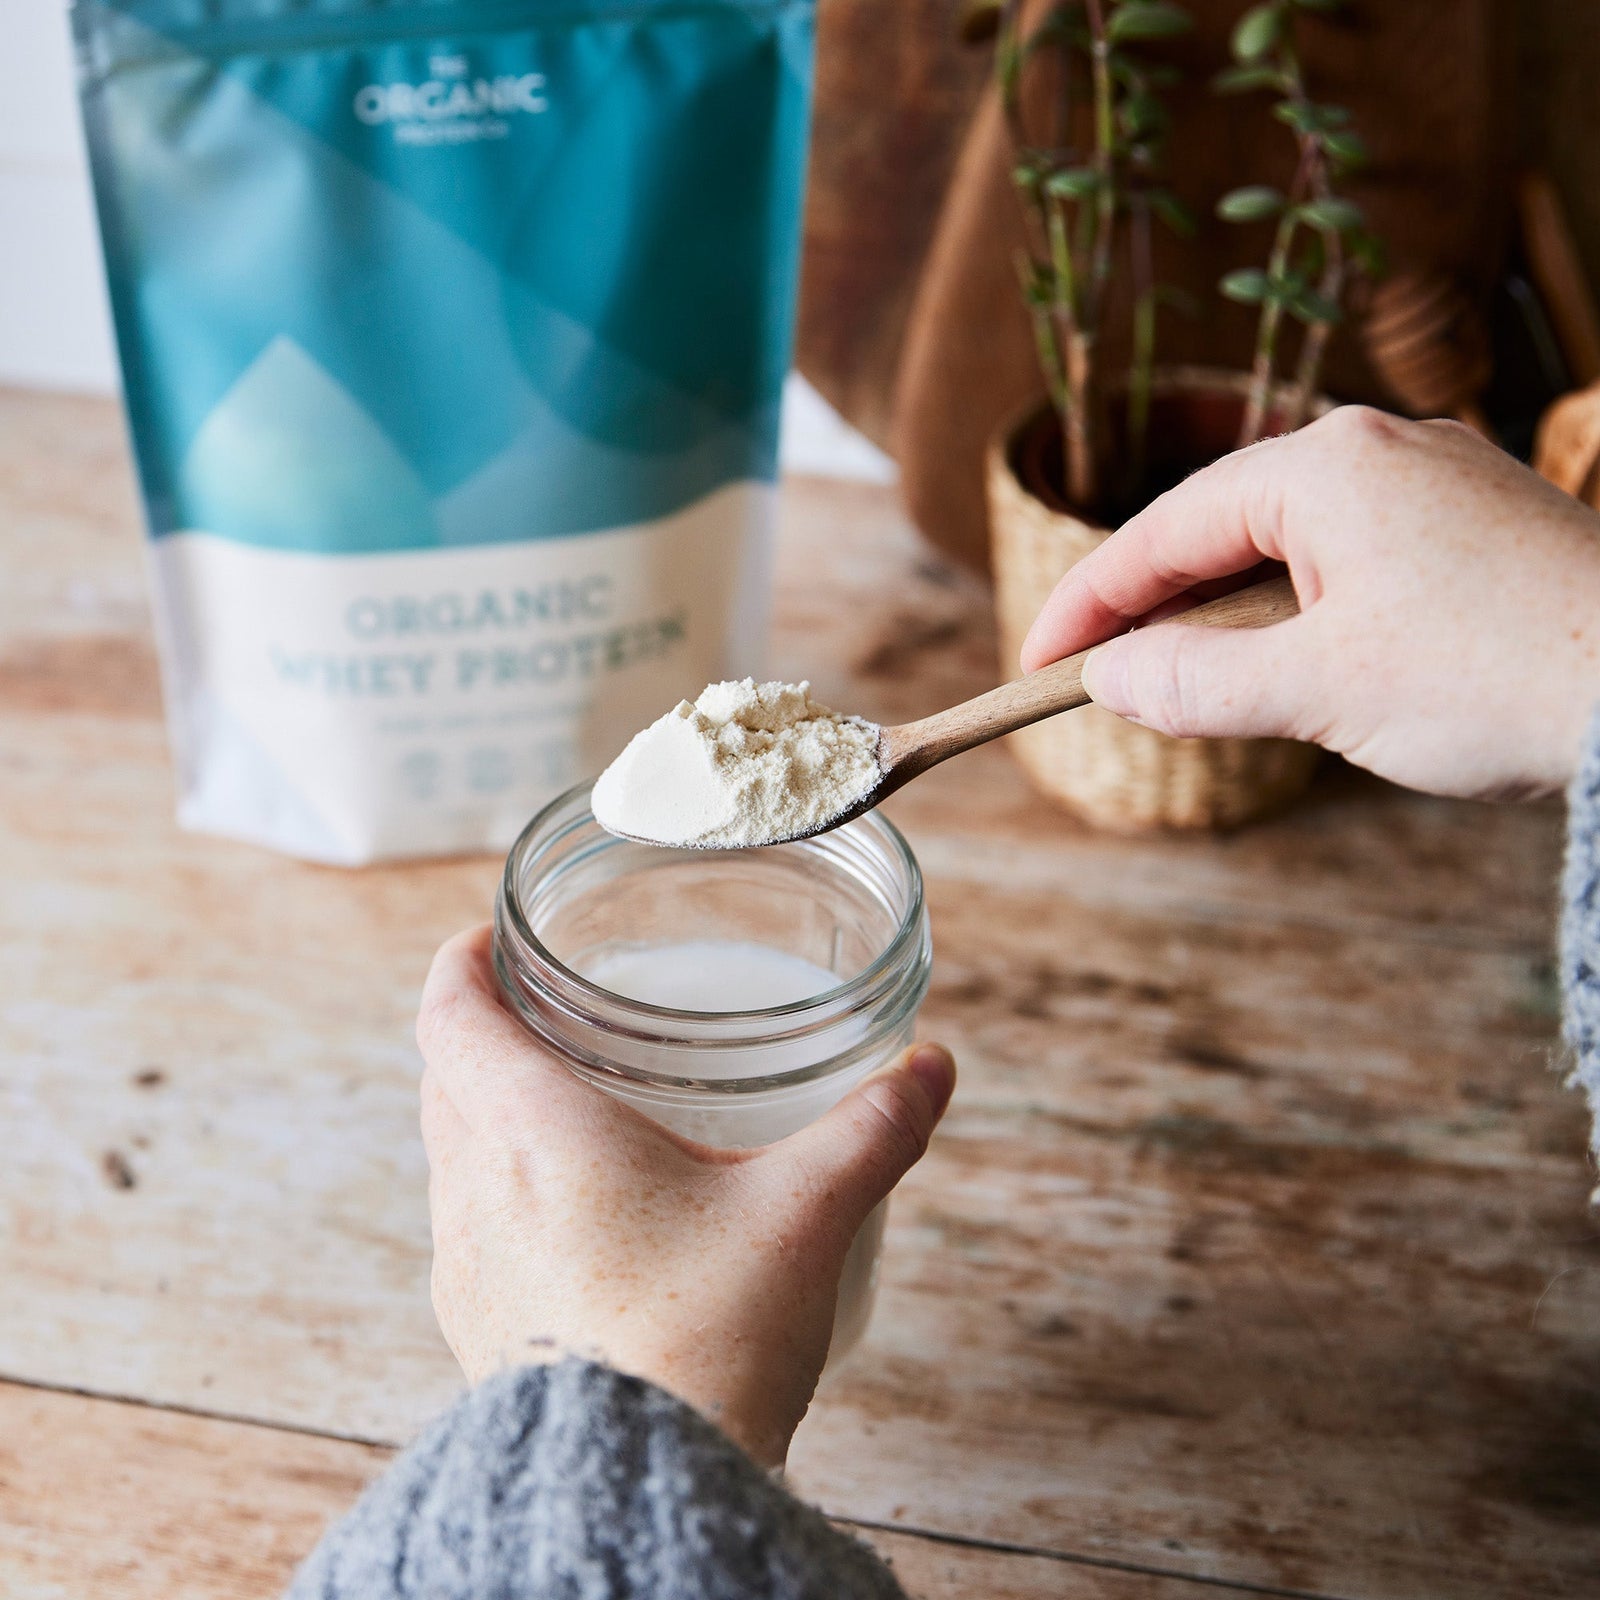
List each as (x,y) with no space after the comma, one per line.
(1252,1257)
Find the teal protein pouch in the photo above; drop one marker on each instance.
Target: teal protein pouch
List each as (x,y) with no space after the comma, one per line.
(453,334)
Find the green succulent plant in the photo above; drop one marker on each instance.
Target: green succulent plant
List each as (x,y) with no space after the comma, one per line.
(1091,187)
(1090,179)
(1320,240)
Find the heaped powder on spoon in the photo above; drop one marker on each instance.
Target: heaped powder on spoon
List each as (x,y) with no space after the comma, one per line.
(746,764)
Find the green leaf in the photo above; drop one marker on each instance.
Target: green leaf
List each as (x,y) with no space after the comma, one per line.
(1143,116)
(1073,183)
(1332,212)
(1304,118)
(1025,175)
(1147,19)
(1167,294)
(1248,285)
(1311,260)
(1368,253)
(1346,149)
(1064,25)
(1139,75)
(1255,33)
(1007,66)
(1250,204)
(1038,283)
(1172,211)
(1238,80)
(1151,74)
(1309,306)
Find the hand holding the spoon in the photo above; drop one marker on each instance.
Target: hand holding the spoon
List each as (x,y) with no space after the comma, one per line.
(1450,629)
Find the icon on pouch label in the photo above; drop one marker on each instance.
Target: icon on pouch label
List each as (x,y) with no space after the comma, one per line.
(554,762)
(420,772)
(489,769)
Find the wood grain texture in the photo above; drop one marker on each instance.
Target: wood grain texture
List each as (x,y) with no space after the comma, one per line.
(938,1569)
(120,1502)
(105,1501)
(1230,1353)
(1253,1248)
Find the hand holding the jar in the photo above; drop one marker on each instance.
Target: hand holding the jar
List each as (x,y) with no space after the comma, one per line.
(565,1222)
(1450,629)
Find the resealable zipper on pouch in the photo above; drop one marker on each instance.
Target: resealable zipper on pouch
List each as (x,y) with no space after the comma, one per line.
(452,336)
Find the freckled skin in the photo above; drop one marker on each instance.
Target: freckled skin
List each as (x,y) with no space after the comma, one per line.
(564,1221)
(1450,628)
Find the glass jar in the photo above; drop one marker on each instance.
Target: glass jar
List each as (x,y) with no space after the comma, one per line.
(841,914)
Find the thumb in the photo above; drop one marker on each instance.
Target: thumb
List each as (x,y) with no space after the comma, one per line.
(865,1145)
(1193,681)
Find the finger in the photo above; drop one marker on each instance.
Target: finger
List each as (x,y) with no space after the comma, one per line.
(853,1156)
(487,1062)
(1218,682)
(1223,520)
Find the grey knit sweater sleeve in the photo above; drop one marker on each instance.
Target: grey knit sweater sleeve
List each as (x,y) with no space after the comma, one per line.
(573,1482)
(1580,927)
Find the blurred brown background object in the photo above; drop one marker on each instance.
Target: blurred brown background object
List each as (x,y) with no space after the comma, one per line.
(910,322)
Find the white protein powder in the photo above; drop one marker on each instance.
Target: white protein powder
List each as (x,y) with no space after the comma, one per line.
(746,764)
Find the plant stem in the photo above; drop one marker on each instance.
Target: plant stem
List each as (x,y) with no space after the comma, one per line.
(1255,410)
(1082,479)
(1142,364)
(1315,344)
(1077,438)
(1080,420)
(1007,47)
(1104,156)
(1044,336)
(1064,280)
(1331,284)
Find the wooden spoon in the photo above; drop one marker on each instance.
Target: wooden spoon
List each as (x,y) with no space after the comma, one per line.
(908,750)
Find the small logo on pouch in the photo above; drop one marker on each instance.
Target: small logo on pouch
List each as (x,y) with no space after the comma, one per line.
(489,770)
(451,106)
(419,774)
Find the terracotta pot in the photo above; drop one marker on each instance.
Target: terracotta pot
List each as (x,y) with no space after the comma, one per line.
(1110,772)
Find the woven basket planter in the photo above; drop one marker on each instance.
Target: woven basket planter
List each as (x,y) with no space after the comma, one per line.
(1110,772)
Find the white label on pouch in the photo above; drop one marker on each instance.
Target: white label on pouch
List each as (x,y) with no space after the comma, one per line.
(355,707)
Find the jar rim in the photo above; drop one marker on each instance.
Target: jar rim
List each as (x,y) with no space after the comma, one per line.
(645,1021)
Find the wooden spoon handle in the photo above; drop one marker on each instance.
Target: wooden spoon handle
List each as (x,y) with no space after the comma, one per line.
(913,747)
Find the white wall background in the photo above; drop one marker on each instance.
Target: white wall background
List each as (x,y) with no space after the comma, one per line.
(55,326)
(55,329)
